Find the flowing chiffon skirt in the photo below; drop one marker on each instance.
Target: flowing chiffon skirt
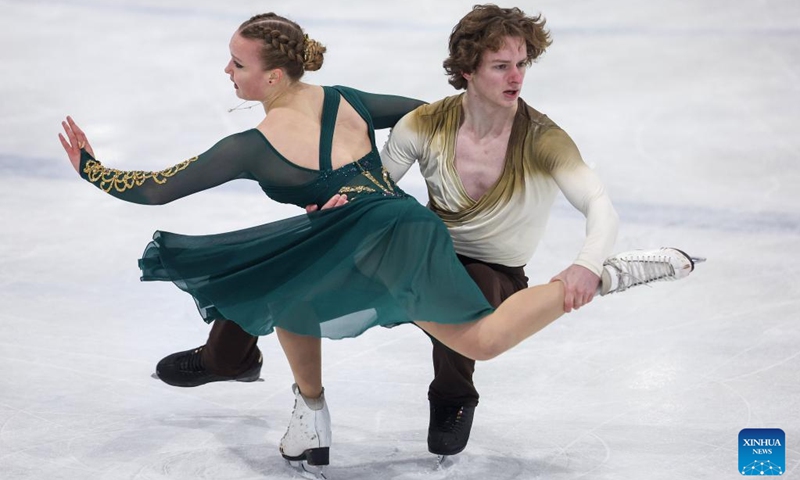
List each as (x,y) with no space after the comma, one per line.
(334,273)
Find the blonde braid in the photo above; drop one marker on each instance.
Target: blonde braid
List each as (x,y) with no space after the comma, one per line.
(285,44)
(280,41)
(312,54)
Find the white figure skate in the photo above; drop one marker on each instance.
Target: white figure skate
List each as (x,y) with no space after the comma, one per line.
(639,267)
(308,439)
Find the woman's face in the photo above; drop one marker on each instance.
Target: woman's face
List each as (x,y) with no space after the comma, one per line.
(248,75)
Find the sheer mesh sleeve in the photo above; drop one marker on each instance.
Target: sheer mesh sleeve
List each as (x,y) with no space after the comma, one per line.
(385,110)
(236,156)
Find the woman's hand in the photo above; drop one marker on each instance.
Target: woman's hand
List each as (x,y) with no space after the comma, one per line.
(77,141)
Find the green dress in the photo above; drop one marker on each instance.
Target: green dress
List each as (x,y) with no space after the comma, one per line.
(381,259)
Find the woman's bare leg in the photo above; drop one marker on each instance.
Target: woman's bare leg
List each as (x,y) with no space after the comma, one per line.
(520,316)
(304,354)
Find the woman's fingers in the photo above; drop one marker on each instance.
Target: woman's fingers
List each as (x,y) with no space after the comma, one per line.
(73,141)
(70,143)
(64,143)
(76,136)
(79,135)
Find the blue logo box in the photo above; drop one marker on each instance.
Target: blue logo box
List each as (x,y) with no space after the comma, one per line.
(762,451)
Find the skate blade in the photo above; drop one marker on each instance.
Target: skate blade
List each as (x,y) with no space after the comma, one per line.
(312,472)
(259,379)
(446,461)
(698,259)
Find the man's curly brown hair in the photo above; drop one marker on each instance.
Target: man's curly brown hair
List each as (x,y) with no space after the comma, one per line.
(484,28)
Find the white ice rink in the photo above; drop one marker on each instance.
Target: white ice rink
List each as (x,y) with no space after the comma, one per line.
(688,110)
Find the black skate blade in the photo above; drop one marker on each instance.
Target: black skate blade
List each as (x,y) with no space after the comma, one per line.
(312,472)
(698,259)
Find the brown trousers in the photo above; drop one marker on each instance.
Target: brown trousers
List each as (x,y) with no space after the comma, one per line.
(230,350)
(452,372)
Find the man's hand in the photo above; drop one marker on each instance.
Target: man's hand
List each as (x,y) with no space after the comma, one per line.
(580,285)
(336,201)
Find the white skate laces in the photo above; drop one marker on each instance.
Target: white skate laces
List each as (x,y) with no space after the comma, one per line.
(638,267)
(308,437)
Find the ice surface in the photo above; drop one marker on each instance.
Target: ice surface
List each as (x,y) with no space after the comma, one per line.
(688,111)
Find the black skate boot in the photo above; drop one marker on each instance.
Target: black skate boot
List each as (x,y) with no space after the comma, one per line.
(449,427)
(186,369)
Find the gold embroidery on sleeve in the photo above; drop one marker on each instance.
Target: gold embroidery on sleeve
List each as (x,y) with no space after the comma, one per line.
(119,180)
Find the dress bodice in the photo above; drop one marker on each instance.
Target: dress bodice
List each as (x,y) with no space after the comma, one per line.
(365,176)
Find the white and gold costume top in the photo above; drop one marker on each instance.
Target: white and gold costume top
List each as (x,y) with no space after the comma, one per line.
(505,225)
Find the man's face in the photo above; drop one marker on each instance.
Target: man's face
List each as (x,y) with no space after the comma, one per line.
(499,76)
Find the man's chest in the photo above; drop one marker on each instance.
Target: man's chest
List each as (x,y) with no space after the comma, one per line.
(479,164)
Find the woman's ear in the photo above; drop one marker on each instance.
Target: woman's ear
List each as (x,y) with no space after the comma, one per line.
(275,76)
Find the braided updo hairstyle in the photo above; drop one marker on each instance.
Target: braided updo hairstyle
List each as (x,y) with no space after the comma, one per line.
(284,44)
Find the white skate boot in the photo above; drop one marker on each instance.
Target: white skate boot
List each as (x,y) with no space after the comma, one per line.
(638,267)
(308,437)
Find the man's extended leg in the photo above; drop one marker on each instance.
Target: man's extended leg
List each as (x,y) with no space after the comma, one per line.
(229,354)
(452,393)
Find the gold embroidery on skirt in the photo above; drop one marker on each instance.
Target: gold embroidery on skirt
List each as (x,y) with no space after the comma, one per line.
(119,180)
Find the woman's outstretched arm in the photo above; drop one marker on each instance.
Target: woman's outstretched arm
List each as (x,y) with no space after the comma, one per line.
(225,161)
